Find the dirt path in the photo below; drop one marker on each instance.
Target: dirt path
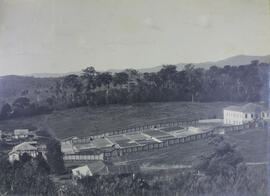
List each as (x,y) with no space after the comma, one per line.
(164,167)
(257,163)
(47,127)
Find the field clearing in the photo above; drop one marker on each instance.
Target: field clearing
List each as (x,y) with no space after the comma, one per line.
(85,121)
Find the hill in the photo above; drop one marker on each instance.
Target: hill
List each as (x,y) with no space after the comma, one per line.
(12,86)
(235,60)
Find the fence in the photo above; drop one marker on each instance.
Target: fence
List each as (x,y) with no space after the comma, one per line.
(174,141)
(134,129)
(158,145)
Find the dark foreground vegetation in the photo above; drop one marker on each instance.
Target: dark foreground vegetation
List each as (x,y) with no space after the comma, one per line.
(245,83)
(31,176)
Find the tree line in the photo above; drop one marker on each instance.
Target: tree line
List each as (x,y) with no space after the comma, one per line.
(244,83)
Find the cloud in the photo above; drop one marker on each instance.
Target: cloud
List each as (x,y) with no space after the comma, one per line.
(149,23)
(203,21)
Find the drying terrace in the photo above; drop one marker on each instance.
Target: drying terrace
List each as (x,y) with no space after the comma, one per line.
(132,139)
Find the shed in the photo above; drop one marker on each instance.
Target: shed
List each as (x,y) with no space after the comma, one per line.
(93,168)
(21,133)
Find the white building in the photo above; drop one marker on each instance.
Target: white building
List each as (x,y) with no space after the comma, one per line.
(238,115)
(97,167)
(30,148)
(21,133)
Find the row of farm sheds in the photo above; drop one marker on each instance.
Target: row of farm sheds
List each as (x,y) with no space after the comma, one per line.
(108,153)
(133,129)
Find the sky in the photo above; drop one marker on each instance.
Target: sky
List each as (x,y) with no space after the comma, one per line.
(59,36)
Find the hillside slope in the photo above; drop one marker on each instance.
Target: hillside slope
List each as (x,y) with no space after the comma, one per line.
(85,121)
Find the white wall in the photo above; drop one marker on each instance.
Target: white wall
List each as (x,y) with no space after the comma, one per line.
(238,118)
(233,118)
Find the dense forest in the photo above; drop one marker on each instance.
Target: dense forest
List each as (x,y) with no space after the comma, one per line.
(244,83)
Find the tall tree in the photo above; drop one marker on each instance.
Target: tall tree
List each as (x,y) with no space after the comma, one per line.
(120,78)
(193,80)
(55,157)
(168,75)
(105,79)
(89,75)
(5,111)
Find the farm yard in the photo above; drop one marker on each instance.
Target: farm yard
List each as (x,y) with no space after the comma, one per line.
(87,121)
(251,143)
(165,162)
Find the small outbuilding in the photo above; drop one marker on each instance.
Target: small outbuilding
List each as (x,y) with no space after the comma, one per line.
(21,133)
(94,168)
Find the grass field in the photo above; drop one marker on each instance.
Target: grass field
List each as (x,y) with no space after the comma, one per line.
(86,121)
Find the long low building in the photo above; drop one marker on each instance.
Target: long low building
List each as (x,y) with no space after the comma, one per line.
(238,115)
(97,148)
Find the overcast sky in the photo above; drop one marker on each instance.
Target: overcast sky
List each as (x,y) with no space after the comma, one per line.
(58,36)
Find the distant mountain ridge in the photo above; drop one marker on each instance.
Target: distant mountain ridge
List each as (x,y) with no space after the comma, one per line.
(233,61)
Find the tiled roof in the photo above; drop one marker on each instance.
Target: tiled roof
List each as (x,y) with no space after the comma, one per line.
(95,167)
(83,170)
(248,108)
(98,167)
(21,131)
(25,146)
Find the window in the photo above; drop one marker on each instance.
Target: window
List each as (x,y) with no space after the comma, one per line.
(251,115)
(246,115)
(262,114)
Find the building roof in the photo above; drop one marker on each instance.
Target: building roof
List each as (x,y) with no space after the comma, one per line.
(247,108)
(96,167)
(82,171)
(21,131)
(25,146)
(67,148)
